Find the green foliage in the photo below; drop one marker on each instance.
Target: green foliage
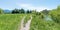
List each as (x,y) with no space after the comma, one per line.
(28,11)
(45,12)
(33,11)
(18,11)
(40,24)
(15,11)
(27,19)
(38,13)
(10,21)
(55,14)
(22,11)
(1,11)
(58,8)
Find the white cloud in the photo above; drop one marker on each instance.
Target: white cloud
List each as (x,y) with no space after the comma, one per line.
(30,6)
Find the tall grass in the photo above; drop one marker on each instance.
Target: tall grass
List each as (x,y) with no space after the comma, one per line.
(40,24)
(10,21)
(27,18)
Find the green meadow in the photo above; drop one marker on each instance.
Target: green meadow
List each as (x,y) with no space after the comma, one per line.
(10,21)
(34,20)
(41,24)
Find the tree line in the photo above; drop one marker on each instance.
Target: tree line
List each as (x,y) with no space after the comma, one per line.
(16,11)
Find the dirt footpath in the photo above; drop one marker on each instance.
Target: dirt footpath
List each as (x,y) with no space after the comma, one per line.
(27,25)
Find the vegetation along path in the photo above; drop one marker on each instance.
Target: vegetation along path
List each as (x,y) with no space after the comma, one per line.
(22,23)
(27,25)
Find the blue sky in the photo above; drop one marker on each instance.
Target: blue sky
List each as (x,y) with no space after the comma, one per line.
(29,4)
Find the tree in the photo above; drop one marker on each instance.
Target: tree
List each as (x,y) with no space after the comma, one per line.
(55,15)
(58,8)
(28,11)
(21,10)
(33,11)
(1,11)
(45,11)
(38,13)
(15,11)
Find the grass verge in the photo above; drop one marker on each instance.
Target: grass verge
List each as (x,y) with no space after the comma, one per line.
(10,21)
(40,24)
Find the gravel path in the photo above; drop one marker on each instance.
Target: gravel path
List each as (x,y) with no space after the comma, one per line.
(22,23)
(27,25)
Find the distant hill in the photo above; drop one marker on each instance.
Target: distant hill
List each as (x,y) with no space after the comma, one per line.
(7,11)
